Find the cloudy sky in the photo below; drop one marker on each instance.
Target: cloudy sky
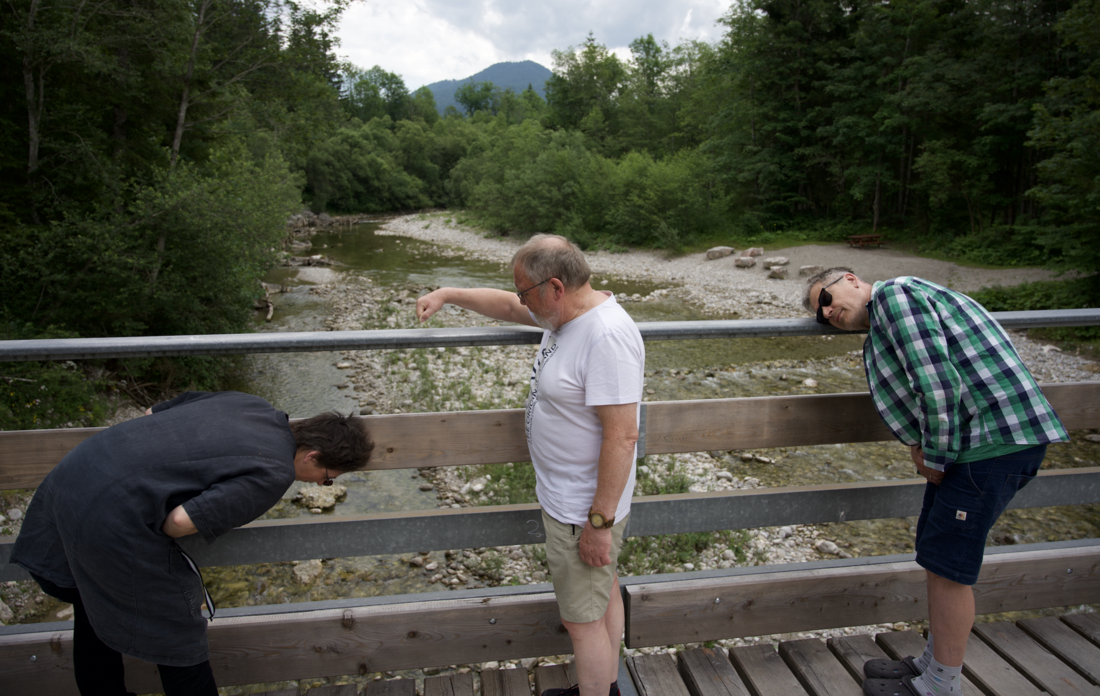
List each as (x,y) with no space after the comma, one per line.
(425,41)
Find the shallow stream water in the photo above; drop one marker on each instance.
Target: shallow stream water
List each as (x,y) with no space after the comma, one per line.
(304,384)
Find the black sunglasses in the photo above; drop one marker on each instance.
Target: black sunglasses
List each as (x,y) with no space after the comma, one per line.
(328,479)
(825,299)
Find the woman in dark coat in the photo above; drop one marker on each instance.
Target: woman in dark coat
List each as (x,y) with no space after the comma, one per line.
(100,532)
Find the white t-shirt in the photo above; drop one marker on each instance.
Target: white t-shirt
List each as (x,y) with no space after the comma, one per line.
(597,359)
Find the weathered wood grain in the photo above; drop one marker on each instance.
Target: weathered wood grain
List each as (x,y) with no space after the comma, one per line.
(412,440)
(1088,625)
(854,651)
(334,690)
(390,687)
(332,642)
(505,682)
(656,675)
(991,673)
(817,669)
(555,677)
(449,685)
(899,644)
(686,611)
(1070,646)
(785,421)
(708,672)
(764,671)
(1038,665)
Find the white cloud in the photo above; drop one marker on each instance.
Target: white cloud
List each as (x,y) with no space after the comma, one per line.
(429,40)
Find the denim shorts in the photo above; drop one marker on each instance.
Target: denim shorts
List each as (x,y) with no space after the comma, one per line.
(957,514)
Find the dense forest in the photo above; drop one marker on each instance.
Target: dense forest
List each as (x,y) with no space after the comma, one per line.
(152,150)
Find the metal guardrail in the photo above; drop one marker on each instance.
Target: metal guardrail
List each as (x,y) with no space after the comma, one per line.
(318,341)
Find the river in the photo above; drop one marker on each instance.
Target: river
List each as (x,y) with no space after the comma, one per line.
(386,273)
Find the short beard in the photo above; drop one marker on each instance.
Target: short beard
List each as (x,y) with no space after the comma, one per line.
(545,323)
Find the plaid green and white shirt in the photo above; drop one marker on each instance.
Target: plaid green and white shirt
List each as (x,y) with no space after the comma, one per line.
(943,374)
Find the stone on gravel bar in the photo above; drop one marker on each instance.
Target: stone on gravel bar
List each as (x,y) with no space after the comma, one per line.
(773,261)
(754,251)
(744,262)
(807,271)
(719,252)
(779,273)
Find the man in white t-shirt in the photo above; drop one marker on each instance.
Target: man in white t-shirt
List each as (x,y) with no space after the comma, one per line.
(582,431)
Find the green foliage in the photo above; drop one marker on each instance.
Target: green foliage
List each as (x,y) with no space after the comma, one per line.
(36,395)
(669,553)
(1079,293)
(513,484)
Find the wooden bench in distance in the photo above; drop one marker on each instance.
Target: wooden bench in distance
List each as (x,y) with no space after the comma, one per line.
(865,240)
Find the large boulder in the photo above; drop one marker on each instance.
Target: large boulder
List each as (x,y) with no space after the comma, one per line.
(779,272)
(807,271)
(774,261)
(754,251)
(719,252)
(744,262)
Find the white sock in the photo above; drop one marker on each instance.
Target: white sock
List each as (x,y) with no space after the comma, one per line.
(939,679)
(926,657)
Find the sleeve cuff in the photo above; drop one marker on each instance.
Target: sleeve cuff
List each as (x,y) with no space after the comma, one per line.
(197,519)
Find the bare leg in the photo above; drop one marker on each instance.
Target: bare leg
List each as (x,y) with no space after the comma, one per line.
(596,647)
(951,614)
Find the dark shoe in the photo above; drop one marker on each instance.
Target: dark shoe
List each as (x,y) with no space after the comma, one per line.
(889,687)
(890,669)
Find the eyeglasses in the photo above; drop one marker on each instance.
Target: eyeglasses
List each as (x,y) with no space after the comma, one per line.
(520,293)
(328,479)
(825,299)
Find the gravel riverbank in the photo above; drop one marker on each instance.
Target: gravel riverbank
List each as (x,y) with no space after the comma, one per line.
(428,380)
(495,377)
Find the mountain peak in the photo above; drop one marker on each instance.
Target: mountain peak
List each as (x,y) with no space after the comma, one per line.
(516,75)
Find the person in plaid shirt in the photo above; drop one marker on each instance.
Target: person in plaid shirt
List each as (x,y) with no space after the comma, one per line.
(947,381)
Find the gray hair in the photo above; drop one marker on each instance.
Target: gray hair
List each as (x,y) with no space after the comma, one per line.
(546,256)
(824,277)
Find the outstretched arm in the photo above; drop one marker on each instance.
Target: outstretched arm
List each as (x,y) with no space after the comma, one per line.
(495,304)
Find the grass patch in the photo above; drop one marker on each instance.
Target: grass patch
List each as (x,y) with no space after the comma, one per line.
(669,553)
(1079,293)
(513,484)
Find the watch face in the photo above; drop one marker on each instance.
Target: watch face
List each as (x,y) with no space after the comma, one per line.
(596,519)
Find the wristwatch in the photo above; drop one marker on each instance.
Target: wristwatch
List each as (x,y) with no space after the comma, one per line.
(598,521)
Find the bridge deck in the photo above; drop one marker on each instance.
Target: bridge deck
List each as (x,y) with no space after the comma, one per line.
(1056,655)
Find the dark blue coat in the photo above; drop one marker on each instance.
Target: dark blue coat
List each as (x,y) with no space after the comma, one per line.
(95,522)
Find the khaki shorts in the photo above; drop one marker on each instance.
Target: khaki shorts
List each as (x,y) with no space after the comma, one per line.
(583,592)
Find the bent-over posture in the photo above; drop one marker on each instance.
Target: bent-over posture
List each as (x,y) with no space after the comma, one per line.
(947,381)
(100,532)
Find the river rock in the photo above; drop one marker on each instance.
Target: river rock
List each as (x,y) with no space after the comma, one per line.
(754,251)
(807,271)
(724,475)
(6,614)
(779,273)
(719,252)
(66,613)
(827,547)
(15,514)
(744,262)
(307,571)
(416,561)
(322,497)
(773,261)
(1093,438)
(728,555)
(809,382)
